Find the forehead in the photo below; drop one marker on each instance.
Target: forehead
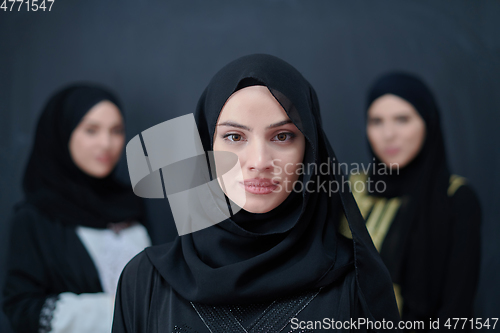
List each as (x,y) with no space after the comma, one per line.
(388,105)
(103,112)
(253,104)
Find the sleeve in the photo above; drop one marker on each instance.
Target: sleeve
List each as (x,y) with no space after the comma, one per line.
(28,304)
(24,290)
(133,296)
(82,313)
(463,267)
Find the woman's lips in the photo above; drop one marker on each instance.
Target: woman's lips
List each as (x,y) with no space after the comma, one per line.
(391,151)
(259,185)
(105,159)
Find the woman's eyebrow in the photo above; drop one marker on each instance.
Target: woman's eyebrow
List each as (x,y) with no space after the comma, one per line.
(281,123)
(233,124)
(91,123)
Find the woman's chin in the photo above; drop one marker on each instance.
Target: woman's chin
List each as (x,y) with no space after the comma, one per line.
(261,206)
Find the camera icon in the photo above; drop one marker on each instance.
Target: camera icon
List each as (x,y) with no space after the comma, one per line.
(168,160)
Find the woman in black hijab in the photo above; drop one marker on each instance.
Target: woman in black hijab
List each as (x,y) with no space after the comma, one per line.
(77,224)
(424,221)
(263,269)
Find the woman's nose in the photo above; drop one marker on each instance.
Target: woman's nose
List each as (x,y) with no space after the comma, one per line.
(389,132)
(105,140)
(259,157)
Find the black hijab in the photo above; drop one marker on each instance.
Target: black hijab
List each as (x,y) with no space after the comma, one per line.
(417,245)
(55,185)
(260,257)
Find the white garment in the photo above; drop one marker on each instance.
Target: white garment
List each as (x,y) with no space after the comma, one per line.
(110,253)
(83,313)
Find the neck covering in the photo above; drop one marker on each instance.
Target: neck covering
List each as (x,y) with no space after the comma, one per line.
(252,258)
(416,248)
(55,185)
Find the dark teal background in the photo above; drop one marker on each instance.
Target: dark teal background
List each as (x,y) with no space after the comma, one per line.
(159,56)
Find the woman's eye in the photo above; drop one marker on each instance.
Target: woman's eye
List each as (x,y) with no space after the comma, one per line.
(284,137)
(402,120)
(233,137)
(91,131)
(281,137)
(118,131)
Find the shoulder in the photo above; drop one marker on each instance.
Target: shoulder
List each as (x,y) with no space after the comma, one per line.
(24,210)
(27,219)
(136,282)
(133,295)
(358,184)
(462,194)
(358,177)
(465,208)
(455,183)
(138,269)
(26,214)
(140,273)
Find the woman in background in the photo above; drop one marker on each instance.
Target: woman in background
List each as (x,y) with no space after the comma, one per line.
(77,226)
(424,221)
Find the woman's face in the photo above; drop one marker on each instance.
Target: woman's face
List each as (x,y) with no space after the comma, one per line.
(270,148)
(97,142)
(395,130)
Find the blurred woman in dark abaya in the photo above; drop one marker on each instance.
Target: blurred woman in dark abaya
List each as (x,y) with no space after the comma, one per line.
(279,264)
(77,226)
(424,221)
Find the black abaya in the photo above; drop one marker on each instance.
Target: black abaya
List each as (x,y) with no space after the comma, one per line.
(432,248)
(46,256)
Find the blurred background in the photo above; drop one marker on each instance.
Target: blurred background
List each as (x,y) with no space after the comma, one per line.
(159,55)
